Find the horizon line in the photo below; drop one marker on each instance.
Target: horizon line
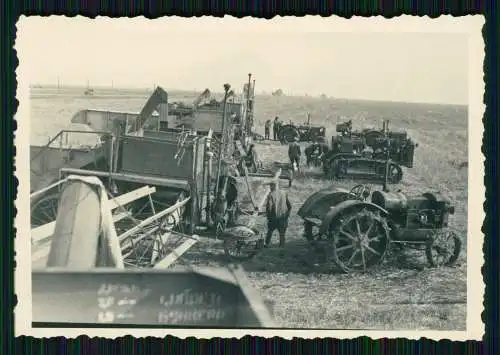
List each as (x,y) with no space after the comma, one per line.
(260,93)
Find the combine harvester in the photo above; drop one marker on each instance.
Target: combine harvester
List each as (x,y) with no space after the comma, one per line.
(141,197)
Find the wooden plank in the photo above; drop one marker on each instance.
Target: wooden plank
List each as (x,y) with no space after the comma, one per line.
(39,192)
(174,255)
(160,242)
(46,231)
(151,219)
(131,196)
(142,179)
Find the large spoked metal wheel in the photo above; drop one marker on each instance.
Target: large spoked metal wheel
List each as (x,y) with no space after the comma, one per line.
(360,240)
(241,243)
(148,241)
(44,210)
(443,249)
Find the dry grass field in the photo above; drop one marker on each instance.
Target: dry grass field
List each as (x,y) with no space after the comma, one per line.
(404,294)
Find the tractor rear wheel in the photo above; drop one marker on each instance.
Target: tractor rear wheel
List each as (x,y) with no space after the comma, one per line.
(360,240)
(443,249)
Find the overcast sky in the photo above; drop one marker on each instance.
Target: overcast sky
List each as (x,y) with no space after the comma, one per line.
(196,54)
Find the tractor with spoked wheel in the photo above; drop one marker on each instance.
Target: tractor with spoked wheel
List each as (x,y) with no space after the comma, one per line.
(354,229)
(307,132)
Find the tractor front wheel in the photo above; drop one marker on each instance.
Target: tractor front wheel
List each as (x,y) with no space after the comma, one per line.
(443,249)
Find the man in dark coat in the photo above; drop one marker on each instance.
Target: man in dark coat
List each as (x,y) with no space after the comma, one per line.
(278,208)
(267,129)
(324,149)
(294,153)
(276,128)
(252,159)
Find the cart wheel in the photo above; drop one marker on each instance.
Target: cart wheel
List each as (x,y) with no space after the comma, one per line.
(242,250)
(45,210)
(444,249)
(360,240)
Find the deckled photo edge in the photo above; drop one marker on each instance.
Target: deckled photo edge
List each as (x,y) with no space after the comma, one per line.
(475,327)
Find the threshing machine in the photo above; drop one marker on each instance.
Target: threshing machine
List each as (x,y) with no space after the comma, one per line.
(162,179)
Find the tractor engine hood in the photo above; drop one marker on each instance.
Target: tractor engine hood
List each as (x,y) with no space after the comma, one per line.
(390,201)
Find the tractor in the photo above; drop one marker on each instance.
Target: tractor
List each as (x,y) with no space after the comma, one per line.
(354,229)
(306,132)
(363,154)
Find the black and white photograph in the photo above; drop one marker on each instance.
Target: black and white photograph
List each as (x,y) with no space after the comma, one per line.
(222,177)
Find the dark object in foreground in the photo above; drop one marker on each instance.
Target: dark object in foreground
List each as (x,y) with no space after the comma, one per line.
(147,297)
(354,229)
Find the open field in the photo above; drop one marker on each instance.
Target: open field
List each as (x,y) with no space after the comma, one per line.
(404,294)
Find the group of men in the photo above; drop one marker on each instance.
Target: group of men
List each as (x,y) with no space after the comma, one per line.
(276,125)
(316,151)
(278,206)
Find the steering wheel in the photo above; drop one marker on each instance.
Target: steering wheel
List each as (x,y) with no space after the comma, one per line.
(361,191)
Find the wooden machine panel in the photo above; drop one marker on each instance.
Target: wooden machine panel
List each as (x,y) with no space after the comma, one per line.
(154,157)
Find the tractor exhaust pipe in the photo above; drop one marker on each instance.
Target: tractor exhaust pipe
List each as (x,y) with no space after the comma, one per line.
(388,156)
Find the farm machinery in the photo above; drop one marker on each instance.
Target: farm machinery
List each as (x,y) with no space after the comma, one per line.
(354,229)
(306,132)
(160,183)
(363,154)
(205,112)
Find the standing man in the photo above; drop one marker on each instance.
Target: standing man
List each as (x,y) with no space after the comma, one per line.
(278,208)
(252,159)
(276,127)
(294,153)
(267,128)
(324,149)
(310,151)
